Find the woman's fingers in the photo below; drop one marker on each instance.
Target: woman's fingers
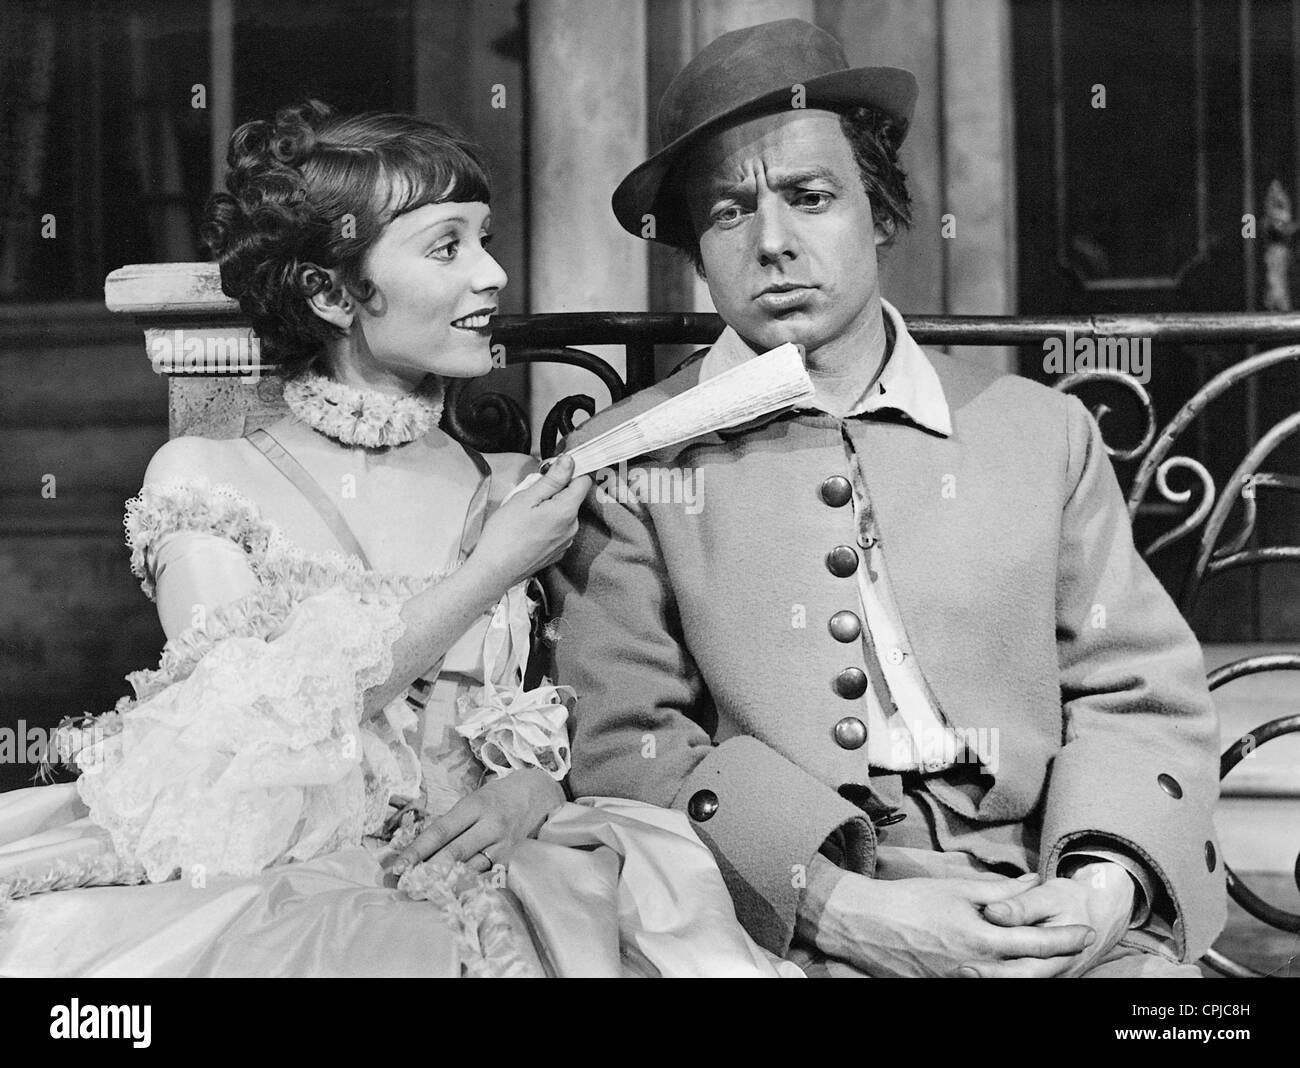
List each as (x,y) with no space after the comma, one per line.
(555,475)
(480,845)
(467,834)
(437,833)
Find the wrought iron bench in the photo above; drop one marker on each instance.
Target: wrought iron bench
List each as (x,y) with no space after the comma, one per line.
(164,298)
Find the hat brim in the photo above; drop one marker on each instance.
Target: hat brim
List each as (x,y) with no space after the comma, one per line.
(645,191)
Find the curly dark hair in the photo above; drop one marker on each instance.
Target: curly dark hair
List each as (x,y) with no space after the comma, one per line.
(314,190)
(874,139)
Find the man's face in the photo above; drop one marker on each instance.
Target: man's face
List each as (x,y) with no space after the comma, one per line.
(785,228)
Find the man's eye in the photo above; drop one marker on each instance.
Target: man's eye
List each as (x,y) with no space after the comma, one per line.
(813,199)
(446,251)
(724,216)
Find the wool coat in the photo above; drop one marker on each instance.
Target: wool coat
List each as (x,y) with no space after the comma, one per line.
(1029,611)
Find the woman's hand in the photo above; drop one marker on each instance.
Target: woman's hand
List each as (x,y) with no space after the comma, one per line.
(482,828)
(533,528)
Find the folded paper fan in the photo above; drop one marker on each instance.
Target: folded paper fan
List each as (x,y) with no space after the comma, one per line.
(777,379)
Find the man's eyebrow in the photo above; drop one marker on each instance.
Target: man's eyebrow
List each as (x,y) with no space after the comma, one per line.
(782,181)
(792,179)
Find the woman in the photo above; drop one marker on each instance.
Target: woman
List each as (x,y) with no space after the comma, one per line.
(344,595)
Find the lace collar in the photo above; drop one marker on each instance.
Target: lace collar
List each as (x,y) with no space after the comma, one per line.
(364,417)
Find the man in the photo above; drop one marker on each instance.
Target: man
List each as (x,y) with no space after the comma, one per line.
(900,663)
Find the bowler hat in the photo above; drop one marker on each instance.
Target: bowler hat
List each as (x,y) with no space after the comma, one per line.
(744,73)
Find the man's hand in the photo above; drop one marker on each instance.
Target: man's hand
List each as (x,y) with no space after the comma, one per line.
(925,927)
(1099,895)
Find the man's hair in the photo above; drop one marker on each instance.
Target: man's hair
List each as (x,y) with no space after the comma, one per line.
(874,139)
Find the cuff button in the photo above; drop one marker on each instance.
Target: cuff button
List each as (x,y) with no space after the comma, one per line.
(1170,786)
(702,806)
(1211,857)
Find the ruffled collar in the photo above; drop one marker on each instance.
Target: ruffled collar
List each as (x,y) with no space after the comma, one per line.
(364,417)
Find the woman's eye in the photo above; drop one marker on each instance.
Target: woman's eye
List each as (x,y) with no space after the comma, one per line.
(445,252)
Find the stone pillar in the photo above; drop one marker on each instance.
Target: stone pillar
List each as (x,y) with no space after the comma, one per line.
(904,33)
(586,130)
(979,136)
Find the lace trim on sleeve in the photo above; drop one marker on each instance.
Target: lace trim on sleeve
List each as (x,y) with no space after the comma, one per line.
(103,869)
(258,755)
(508,727)
(164,508)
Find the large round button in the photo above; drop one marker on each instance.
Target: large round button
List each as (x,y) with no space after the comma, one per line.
(845,626)
(1170,786)
(702,806)
(850,733)
(842,561)
(837,491)
(850,683)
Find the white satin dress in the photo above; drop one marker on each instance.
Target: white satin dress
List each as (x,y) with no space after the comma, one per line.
(225,820)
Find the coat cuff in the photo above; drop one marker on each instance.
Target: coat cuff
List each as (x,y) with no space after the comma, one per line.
(1177,844)
(765,818)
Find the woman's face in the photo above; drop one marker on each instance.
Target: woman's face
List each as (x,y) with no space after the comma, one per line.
(435,292)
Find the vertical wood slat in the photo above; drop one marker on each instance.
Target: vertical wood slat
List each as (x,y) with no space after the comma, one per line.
(221,77)
(587,129)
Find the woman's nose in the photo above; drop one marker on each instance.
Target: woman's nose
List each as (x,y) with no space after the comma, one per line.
(490,275)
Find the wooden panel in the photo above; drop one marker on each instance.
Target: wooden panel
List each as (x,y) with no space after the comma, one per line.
(51,391)
(87,460)
(73,622)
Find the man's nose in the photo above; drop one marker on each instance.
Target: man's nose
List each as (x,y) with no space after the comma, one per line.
(774,241)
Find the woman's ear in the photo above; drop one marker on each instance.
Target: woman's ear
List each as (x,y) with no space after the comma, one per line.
(331,299)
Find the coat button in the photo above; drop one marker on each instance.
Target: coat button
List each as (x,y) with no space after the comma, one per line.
(850,683)
(1211,858)
(845,626)
(1170,786)
(850,733)
(837,491)
(842,561)
(891,819)
(702,806)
